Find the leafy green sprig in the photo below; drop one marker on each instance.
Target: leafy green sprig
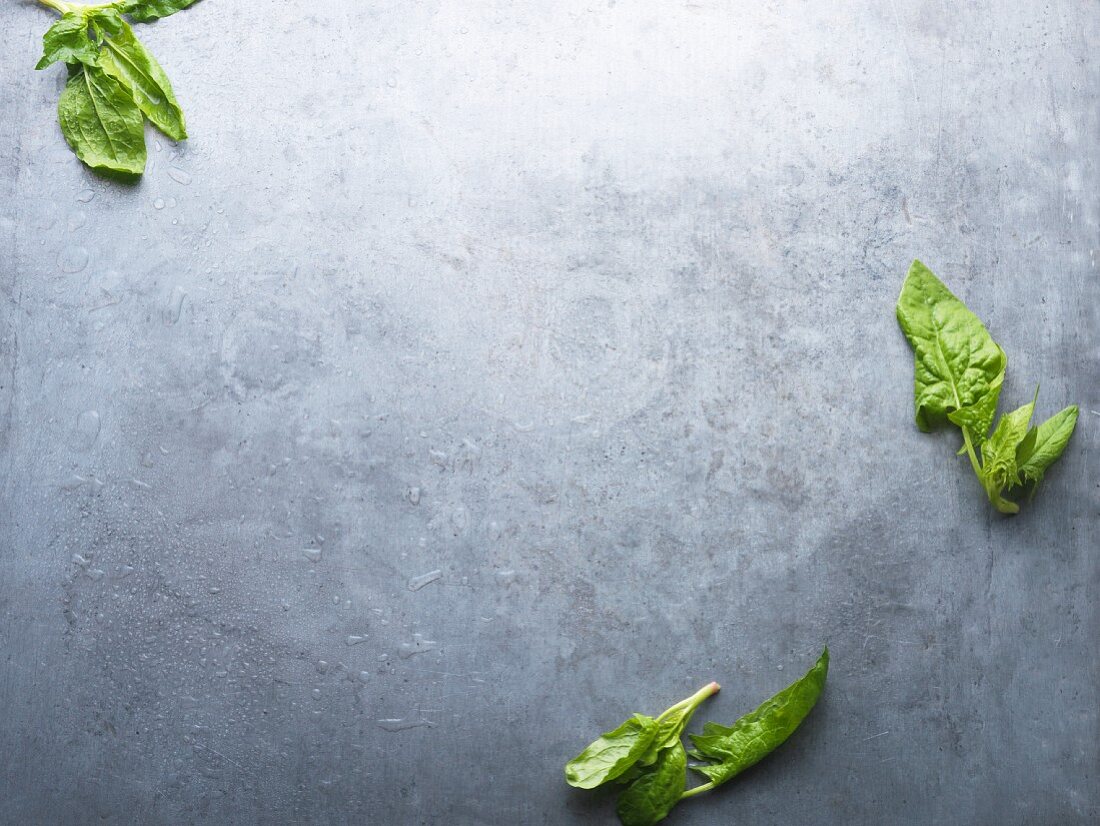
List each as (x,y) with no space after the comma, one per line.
(958,373)
(114,83)
(647,753)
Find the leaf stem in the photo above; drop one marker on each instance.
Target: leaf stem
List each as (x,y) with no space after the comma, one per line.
(706,787)
(61,7)
(970,452)
(692,702)
(57,5)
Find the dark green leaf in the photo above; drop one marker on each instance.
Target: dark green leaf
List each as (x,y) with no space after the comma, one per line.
(145,11)
(67,40)
(101,122)
(612,754)
(125,59)
(650,798)
(735,748)
(958,368)
(1051,438)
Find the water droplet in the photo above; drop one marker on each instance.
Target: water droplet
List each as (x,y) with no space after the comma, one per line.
(506,577)
(316,694)
(72,259)
(392,82)
(355,639)
(460,519)
(79,559)
(85,195)
(87,429)
(77,220)
(417,582)
(174,306)
(158,203)
(322,666)
(312,554)
(364,676)
(74,482)
(419,645)
(779,667)
(400,724)
(414,495)
(179,176)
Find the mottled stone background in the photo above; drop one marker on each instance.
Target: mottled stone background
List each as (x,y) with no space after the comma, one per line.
(588,307)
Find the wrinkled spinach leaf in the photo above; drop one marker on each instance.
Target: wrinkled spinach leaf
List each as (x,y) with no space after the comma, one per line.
(648,756)
(650,798)
(732,749)
(104,55)
(958,374)
(101,122)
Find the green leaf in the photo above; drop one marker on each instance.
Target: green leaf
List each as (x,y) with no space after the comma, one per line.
(735,748)
(145,11)
(101,122)
(999,455)
(958,368)
(673,721)
(612,754)
(650,798)
(125,59)
(1051,438)
(67,40)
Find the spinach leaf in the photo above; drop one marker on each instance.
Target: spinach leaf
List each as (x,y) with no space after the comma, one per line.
(650,798)
(999,455)
(1050,439)
(101,122)
(67,41)
(106,62)
(622,754)
(146,11)
(673,721)
(753,737)
(612,753)
(959,369)
(958,374)
(125,59)
(648,755)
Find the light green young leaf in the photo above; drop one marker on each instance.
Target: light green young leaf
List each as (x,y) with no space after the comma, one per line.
(125,59)
(1051,438)
(999,455)
(612,754)
(145,11)
(67,40)
(673,721)
(732,749)
(650,798)
(101,122)
(958,368)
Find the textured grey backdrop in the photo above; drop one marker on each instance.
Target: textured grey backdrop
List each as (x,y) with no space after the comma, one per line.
(587,306)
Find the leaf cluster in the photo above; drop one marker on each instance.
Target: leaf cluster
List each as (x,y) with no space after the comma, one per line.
(958,374)
(114,84)
(647,755)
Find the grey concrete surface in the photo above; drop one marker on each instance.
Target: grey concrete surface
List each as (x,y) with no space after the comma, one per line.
(582,314)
